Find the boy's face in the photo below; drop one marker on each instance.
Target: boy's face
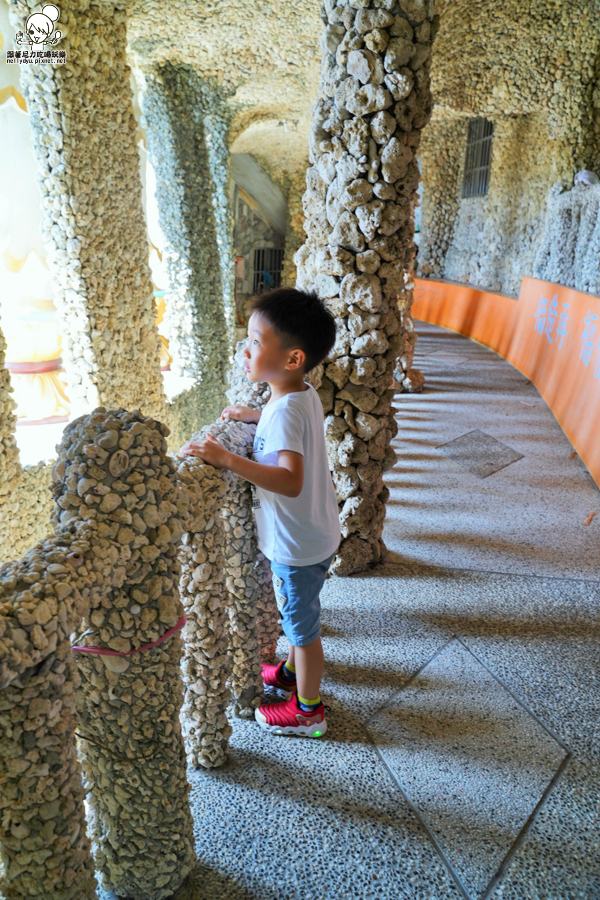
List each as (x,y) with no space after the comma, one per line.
(264,357)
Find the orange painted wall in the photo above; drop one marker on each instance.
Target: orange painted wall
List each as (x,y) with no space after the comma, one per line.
(551,334)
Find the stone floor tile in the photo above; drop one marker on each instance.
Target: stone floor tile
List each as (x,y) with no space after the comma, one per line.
(472,761)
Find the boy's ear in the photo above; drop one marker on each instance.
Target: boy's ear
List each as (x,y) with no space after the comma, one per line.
(296,359)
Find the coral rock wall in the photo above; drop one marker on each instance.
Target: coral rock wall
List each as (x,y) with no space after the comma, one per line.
(374,99)
(187,134)
(43,842)
(113,475)
(532,69)
(442,160)
(569,252)
(294,234)
(84,140)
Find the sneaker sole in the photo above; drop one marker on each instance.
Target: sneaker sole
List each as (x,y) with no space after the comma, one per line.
(287,695)
(314,731)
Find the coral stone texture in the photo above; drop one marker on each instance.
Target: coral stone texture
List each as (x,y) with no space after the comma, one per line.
(569,252)
(373,101)
(532,70)
(187,136)
(227,593)
(43,841)
(83,131)
(113,475)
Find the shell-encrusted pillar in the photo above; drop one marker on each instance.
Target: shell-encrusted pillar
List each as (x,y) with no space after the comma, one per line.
(294,232)
(205,665)
(84,139)
(113,472)
(374,99)
(242,570)
(187,135)
(268,626)
(43,842)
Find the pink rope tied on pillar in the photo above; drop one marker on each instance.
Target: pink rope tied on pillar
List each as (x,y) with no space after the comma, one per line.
(104,651)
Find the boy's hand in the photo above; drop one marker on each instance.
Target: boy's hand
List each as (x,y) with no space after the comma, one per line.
(241,414)
(210,450)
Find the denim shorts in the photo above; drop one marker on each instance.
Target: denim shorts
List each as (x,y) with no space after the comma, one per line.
(297,590)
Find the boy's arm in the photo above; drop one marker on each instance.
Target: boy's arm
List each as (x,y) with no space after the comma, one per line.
(286,478)
(241,414)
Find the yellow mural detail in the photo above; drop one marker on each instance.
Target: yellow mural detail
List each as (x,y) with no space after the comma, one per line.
(40,396)
(10,91)
(15,265)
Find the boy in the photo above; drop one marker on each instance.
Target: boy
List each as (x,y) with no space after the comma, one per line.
(289,333)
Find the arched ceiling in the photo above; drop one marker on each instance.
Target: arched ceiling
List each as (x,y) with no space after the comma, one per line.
(510,58)
(264,54)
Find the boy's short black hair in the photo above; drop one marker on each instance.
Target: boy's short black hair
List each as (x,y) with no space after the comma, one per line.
(300,319)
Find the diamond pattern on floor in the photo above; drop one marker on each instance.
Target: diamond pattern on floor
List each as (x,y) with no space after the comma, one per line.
(480,453)
(472,761)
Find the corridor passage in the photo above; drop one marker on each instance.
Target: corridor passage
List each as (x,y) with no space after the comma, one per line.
(462,757)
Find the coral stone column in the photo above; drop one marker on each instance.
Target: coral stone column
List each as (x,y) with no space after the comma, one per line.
(187,136)
(294,232)
(202,589)
(43,842)
(113,473)
(374,99)
(88,168)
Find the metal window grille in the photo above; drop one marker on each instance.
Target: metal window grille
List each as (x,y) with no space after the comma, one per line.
(267,269)
(478,159)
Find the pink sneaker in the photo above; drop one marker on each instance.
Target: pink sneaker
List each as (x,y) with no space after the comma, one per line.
(288,718)
(272,678)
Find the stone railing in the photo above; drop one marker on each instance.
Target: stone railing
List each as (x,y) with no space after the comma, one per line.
(134,532)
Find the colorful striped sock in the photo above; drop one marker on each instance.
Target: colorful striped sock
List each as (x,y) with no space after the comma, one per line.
(288,672)
(308,706)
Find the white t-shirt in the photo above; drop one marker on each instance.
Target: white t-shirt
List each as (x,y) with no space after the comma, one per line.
(302,530)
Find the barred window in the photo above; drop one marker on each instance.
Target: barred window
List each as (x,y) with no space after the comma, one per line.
(478,159)
(267,269)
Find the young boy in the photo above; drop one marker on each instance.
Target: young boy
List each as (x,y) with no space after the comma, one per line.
(289,333)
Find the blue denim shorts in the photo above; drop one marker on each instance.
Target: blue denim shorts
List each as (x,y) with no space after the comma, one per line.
(297,590)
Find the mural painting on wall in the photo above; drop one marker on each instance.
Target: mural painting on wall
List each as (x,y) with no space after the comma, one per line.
(28,315)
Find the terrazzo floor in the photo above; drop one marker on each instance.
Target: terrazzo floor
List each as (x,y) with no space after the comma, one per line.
(463,678)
